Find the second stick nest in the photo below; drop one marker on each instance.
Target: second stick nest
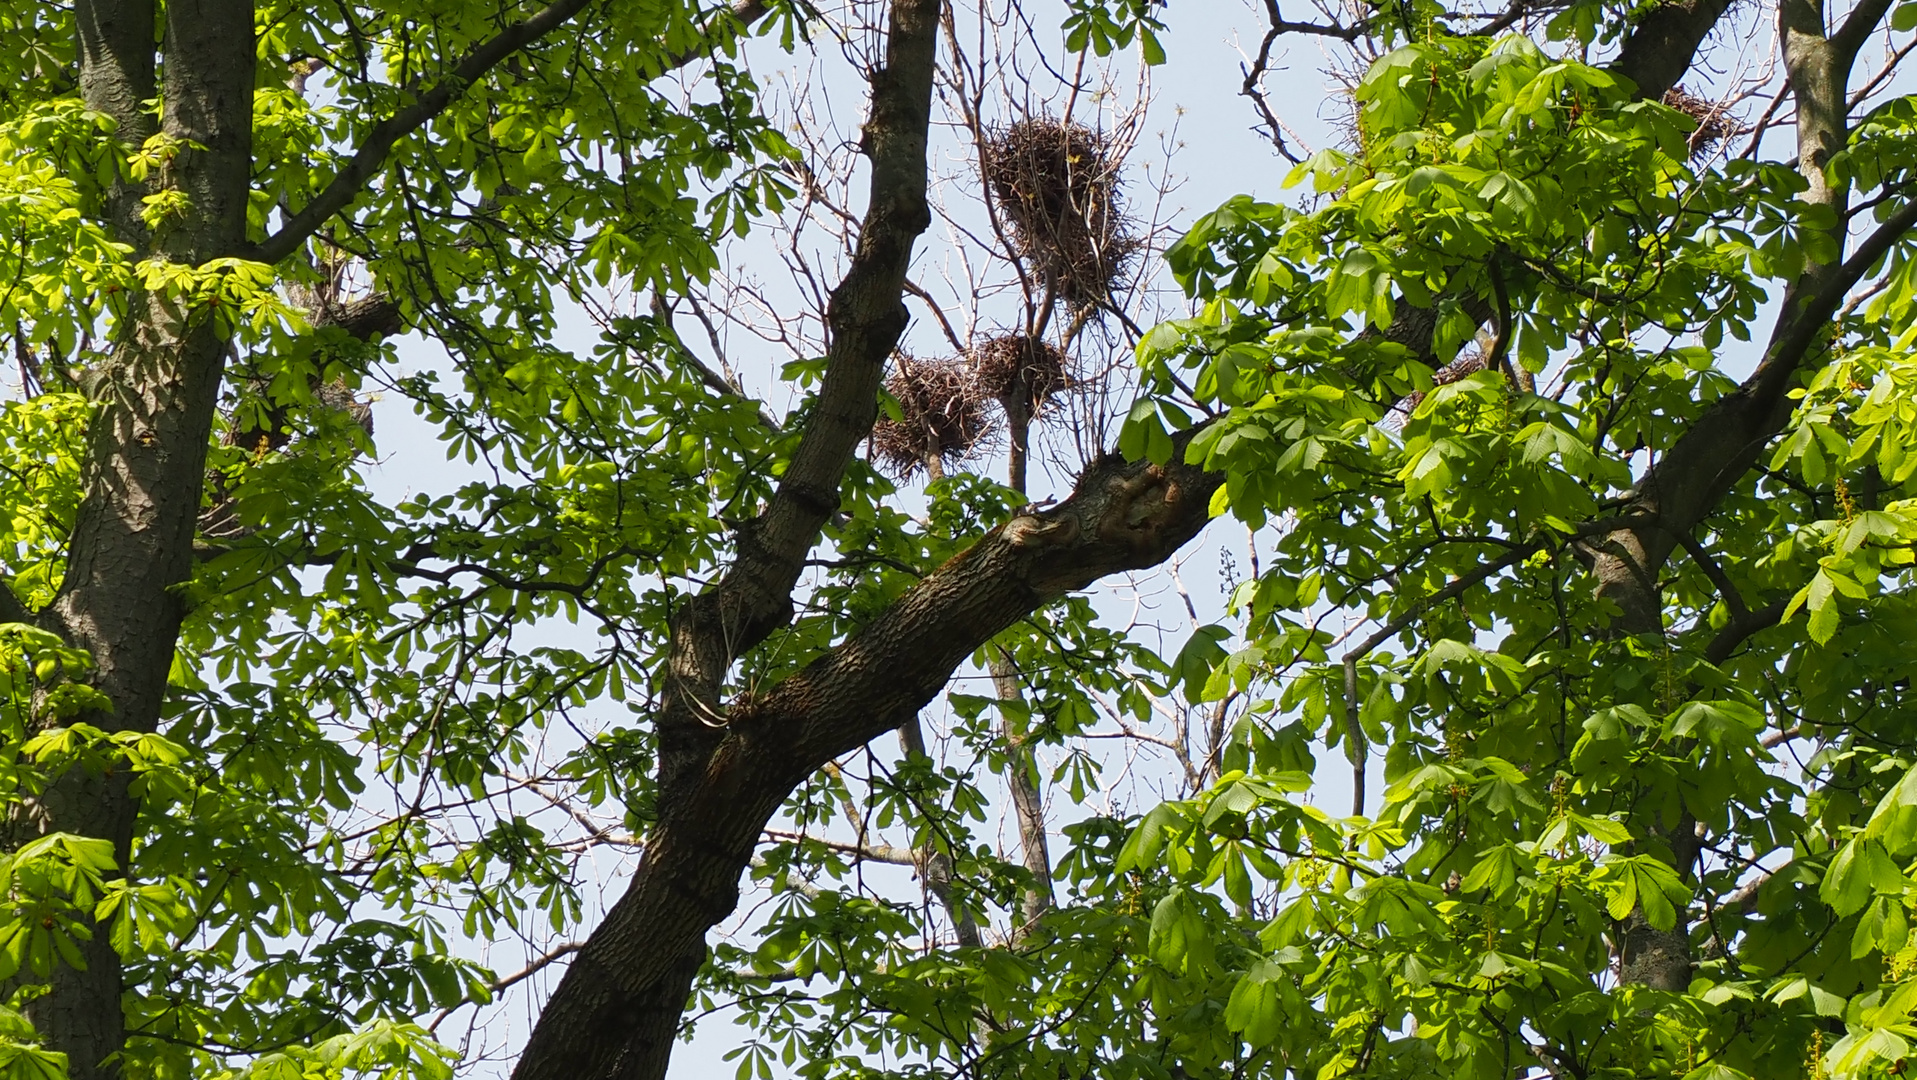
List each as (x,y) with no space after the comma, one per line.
(1056,184)
(1011,364)
(942,416)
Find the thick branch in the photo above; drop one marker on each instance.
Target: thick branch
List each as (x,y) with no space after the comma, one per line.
(1739,630)
(11,609)
(616,1012)
(1122,516)
(1857,28)
(1683,488)
(1664,42)
(864,318)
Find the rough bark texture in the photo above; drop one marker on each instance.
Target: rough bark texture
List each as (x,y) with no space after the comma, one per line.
(132,538)
(617,1009)
(1662,45)
(615,1013)
(725,770)
(155,397)
(1684,487)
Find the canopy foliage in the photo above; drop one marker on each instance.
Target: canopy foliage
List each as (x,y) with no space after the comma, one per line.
(1571,420)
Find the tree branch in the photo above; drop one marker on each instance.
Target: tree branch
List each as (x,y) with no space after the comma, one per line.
(11,609)
(864,318)
(1663,43)
(1799,332)
(379,142)
(882,853)
(504,982)
(1726,589)
(617,1010)
(1280,25)
(1857,28)
(1122,516)
(1739,630)
(1353,730)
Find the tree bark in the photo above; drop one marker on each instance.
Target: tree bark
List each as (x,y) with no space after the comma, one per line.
(617,1009)
(1021,768)
(1028,802)
(132,539)
(1681,490)
(724,771)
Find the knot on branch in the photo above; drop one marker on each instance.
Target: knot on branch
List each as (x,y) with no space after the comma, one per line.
(1141,506)
(1030,531)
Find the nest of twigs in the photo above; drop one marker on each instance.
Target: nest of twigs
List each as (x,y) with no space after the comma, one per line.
(339,397)
(1475,358)
(941,416)
(1017,368)
(1056,185)
(1714,120)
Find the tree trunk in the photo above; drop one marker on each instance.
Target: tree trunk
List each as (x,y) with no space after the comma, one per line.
(1681,490)
(618,1007)
(132,540)
(1021,768)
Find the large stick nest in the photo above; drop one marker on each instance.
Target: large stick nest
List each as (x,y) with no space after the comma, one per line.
(1011,366)
(942,416)
(1714,120)
(1056,184)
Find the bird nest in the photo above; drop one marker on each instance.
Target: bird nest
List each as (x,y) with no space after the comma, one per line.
(1012,366)
(1473,359)
(941,416)
(1713,118)
(1056,184)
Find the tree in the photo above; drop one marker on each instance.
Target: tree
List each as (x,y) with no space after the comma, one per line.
(1474,400)
(219,211)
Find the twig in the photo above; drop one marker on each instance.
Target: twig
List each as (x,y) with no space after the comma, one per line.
(1353,730)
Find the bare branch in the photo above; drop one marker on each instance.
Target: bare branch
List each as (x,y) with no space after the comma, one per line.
(538,964)
(882,853)
(1857,28)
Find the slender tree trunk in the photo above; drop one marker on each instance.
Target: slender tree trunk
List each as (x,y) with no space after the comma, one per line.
(936,865)
(1028,802)
(1021,768)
